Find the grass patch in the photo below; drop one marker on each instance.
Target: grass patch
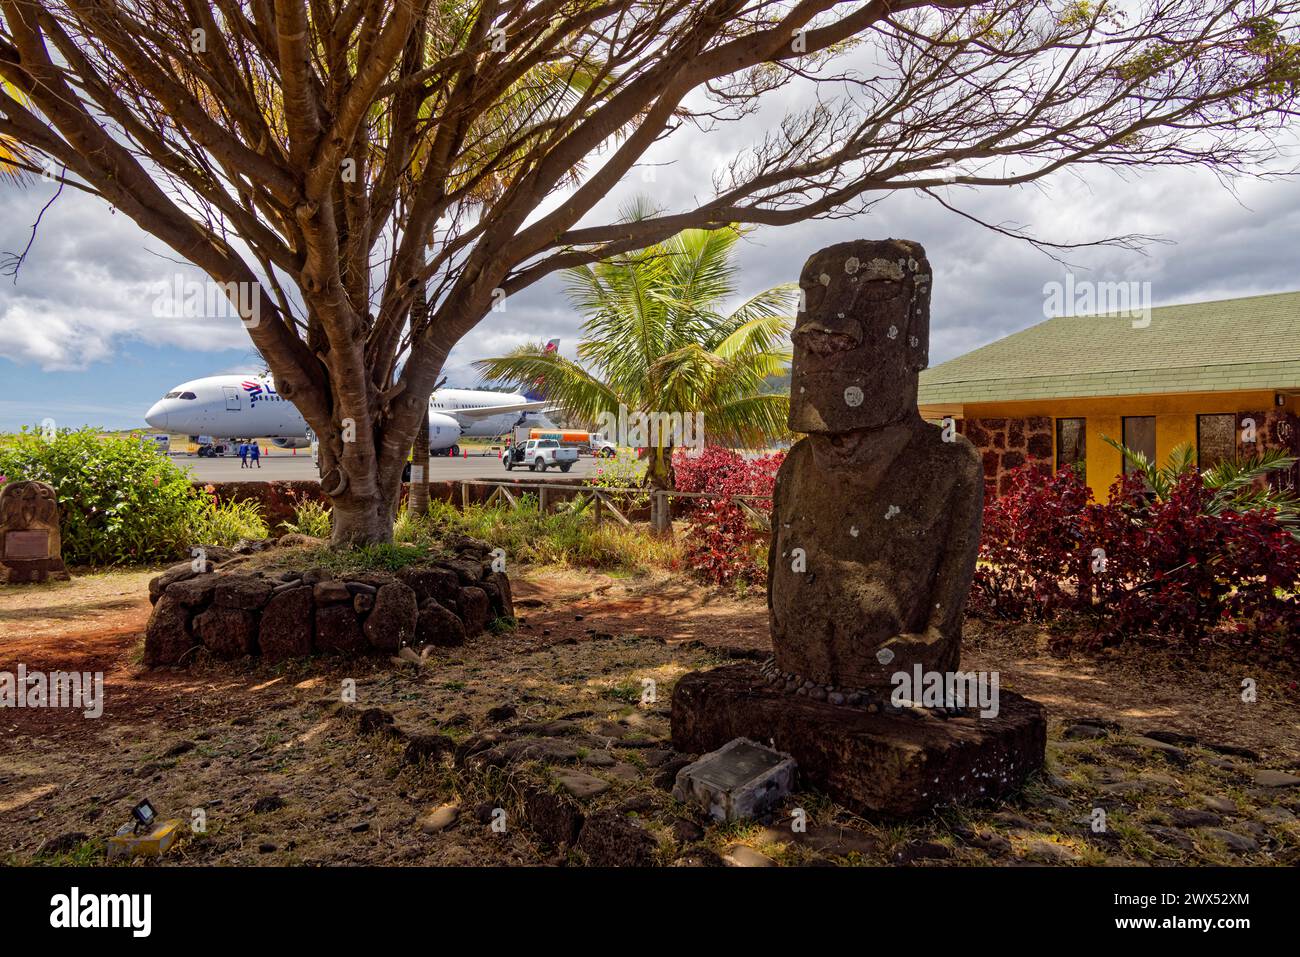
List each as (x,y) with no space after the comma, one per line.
(229,522)
(310,517)
(526,535)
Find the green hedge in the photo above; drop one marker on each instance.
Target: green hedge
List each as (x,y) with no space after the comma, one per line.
(120,501)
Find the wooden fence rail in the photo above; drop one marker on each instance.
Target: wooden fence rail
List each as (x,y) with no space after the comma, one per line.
(601,500)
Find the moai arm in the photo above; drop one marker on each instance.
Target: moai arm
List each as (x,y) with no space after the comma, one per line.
(952,578)
(957,566)
(779,510)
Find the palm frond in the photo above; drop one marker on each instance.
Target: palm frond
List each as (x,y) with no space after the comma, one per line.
(567,383)
(1241,473)
(655,339)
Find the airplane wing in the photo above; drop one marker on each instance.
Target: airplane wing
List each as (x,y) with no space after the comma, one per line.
(488,411)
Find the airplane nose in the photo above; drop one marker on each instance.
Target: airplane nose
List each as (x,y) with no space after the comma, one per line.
(156,417)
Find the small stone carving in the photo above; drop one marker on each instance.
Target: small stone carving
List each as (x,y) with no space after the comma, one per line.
(31,548)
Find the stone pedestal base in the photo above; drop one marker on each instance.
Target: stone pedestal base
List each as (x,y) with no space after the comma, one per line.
(17,571)
(897,765)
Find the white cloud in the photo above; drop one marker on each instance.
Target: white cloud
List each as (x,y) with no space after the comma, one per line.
(87,287)
(89,283)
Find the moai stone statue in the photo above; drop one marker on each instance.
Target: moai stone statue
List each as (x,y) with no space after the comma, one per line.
(31,548)
(876,514)
(875,527)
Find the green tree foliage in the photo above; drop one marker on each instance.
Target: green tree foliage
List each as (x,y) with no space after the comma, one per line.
(657,338)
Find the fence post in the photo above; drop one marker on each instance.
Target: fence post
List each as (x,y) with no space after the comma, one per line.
(596,497)
(542,500)
(464,496)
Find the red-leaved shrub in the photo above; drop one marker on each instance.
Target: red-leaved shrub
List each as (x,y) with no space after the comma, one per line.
(1031,545)
(1140,567)
(726,544)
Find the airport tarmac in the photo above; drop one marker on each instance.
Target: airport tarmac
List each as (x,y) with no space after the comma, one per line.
(284,466)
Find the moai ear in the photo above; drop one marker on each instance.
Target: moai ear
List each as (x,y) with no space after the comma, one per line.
(918,324)
(814,285)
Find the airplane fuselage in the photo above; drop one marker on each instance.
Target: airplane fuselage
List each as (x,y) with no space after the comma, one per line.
(237,406)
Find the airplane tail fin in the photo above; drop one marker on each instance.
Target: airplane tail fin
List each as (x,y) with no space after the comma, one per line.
(537,393)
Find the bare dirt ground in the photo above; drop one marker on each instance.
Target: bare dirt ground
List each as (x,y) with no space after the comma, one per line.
(264,758)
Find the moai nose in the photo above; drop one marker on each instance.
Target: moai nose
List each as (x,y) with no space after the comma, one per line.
(825,336)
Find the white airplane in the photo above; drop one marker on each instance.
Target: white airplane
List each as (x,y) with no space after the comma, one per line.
(248,406)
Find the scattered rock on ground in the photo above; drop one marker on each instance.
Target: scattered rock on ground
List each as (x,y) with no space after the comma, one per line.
(1048,852)
(1276,779)
(440,818)
(1275,815)
(1239,843)
(741,855)
(609,839)
(580,784)
(1189,817)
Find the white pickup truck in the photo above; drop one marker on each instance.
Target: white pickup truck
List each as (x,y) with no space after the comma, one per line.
(539,455)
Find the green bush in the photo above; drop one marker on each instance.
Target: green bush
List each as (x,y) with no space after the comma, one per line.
(310,517)
(227,523)
(119,500)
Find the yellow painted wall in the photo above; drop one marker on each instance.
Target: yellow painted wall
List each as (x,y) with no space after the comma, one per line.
(1175,429)
(1104,462)
(1175,420)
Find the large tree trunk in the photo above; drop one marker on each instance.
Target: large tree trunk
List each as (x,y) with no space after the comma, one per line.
(361,472)
(661,477)
(659,473)
(362,520)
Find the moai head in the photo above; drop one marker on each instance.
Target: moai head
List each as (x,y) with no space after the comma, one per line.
(861,337)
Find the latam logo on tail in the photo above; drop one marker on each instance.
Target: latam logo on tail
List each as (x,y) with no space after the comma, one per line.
(537,391)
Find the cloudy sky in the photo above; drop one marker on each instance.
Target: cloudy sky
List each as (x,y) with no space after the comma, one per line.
(80,342)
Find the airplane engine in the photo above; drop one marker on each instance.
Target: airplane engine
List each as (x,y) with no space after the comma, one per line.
(291,443)
(444,431)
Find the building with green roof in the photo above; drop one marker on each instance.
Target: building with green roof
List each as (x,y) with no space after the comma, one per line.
(1224,376)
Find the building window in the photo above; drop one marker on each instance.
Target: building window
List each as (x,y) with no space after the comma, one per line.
(1070,445)
(1216,440)
(1139,436)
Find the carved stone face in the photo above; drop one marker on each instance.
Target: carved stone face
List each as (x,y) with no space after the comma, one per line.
(862,336)
(28,505)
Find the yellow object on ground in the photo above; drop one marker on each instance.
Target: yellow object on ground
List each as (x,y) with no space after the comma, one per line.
(153,844)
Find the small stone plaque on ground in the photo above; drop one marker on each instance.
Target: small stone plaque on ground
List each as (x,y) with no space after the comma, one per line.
(739,780)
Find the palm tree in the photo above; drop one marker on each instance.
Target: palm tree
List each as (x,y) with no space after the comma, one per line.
(655,339)
(1233,484)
